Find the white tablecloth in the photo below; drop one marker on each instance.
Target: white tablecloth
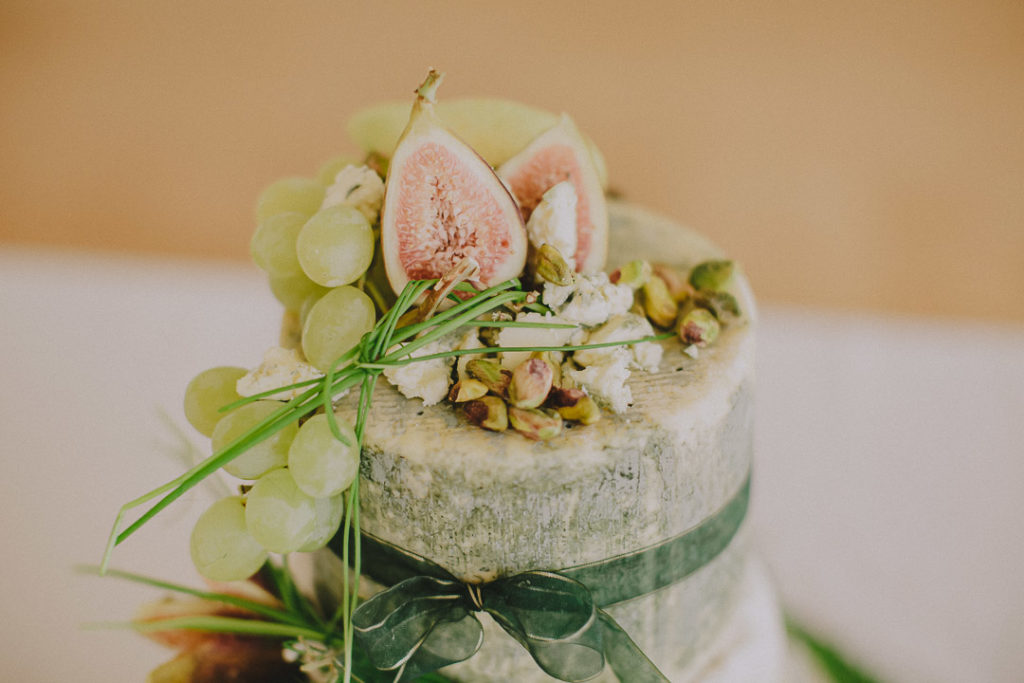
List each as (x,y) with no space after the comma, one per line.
(889,487)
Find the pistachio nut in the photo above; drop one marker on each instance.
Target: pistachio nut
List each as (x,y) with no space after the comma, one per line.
(554,359)
(489,412)
(467,390)
(574,404)
(552,267)
(634,274)
(723,304)
(584,411)
(659,305)
(676,282)
(698,326)
(535,424)
(491,374)
(711,276)
(531,382)
(568,396)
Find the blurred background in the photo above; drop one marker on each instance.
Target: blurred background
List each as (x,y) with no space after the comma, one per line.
(852,155)
(864,161)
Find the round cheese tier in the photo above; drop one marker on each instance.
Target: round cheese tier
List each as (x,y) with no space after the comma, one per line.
(484,504)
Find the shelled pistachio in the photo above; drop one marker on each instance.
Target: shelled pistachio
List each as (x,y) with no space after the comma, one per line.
(489,412)
(467,390)
(575,404)
(534,423)
(552,267)
(698,326)
(530,384)
(674,280)
(491,374)
(658,303)
(711,276)
(634,274)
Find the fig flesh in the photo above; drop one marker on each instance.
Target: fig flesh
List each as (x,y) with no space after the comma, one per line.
(560,153)
(497,129)
(443,203)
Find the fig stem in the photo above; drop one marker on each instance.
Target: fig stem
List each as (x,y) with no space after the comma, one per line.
(428,88)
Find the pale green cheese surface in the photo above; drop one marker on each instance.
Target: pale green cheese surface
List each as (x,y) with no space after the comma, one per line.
(483,504)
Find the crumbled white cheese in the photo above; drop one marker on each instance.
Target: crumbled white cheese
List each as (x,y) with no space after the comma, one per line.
(606,382)
(359,187)
(553,221)
(532,336)
(623,327)
(594,299)
(280,367)
(556,295)
(427,379)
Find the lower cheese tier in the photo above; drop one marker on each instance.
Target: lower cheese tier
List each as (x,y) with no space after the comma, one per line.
(483,504)
(735,632)
(741,639)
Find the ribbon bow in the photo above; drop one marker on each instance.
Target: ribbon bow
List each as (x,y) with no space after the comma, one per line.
(426,622)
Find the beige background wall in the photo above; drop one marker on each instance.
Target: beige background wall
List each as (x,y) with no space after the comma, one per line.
(852,155)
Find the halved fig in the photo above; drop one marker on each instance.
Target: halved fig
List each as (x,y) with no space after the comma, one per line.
(558,154)
(443,203)
(497,129)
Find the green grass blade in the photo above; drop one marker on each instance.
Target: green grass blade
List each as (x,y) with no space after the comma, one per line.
(215,624)
(283,416)
(389,362)
(268,393)
(462,316)
(518,323)
(242,603)
(840,670)
(483,301)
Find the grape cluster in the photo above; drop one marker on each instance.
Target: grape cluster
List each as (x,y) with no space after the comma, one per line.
(314,252)
(297,476)
(315,255)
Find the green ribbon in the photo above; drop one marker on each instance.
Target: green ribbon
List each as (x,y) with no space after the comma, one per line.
(426,620)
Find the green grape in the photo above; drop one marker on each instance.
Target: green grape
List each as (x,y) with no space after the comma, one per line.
(290,194)
(293,290)
(307,306)
(265,455)
(222,548)
(273,244)
(278,515)
(320,464)
(335,246)
(328,519)
(329,171)
(207,393)
(335,324)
